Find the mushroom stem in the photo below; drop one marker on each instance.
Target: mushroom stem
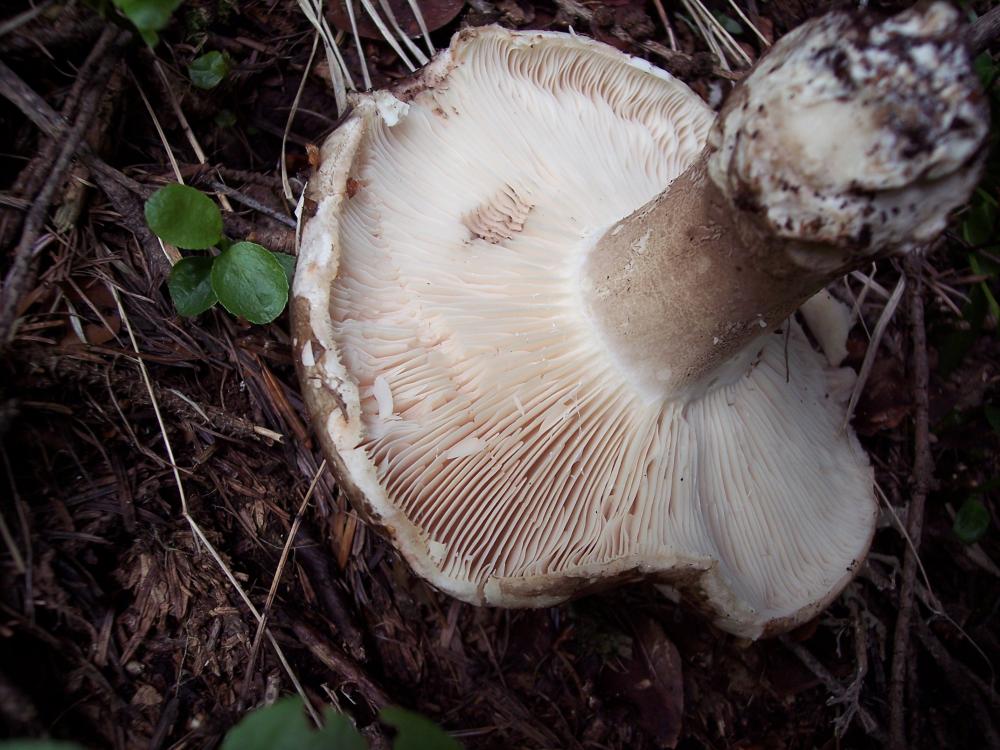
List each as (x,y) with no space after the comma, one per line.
(686,282)
(851,138)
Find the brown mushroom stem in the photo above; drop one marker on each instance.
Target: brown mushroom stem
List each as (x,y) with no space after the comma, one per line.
(853,137)
(686,282)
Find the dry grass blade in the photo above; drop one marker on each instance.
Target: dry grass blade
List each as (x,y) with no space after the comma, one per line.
(710,28)
(869,361)
(272,592)
(195,529)
(870,283)
(172,254)
(418,14)
(186,127)
(357,43)
(159,131)
(707,35)
(749,23)
(13,24)
(285,185)
(341,76)
(386,34)
(413,48)
(665,20)
(8,540)
(27,561)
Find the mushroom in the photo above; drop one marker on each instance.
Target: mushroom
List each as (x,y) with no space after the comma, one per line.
(544,307)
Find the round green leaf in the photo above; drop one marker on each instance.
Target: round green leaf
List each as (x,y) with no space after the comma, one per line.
(209,70)
(250,282)
(184,217)
(415,732)
(283,726)
(148,15)
(190,285)
(971,521)
(288,263)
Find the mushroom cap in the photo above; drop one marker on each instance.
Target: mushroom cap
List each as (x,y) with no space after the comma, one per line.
(451,372)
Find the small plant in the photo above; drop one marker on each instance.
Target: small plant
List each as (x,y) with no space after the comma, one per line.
(148,16)
(209,70)
(971,521)
(283,726)
(247,279)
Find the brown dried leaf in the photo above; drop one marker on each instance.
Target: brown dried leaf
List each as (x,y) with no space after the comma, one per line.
(652,681)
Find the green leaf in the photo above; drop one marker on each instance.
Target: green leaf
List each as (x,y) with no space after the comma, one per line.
(209,70)
(971,521)
(338,734)
(184,217)
(225,118)
(283,726)
(190,285)
(977,227)
(288,263)
(979,269)
(148,16)
(729,23)
(415,732)
(985,68)
(250,282)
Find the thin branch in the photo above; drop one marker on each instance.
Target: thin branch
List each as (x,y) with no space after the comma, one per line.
(868,722)
(246,200)
(923,468)
(20,275)
(16,22)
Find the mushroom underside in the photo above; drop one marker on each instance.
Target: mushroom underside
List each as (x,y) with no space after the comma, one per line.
(449,363)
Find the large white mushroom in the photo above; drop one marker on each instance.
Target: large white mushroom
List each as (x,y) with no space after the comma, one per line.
(542,307)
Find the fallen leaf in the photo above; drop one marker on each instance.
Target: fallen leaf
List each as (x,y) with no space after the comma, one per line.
(652,681)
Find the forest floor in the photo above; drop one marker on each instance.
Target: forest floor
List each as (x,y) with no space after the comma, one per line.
(119,629)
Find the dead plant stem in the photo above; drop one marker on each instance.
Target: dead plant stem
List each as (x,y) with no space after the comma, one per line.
(923,468)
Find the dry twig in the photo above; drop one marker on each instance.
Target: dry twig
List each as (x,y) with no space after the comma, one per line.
(923,468)
(20,275)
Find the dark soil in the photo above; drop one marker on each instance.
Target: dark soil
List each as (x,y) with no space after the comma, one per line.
(118,629)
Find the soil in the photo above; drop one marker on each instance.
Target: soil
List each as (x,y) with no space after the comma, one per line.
(120,629)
